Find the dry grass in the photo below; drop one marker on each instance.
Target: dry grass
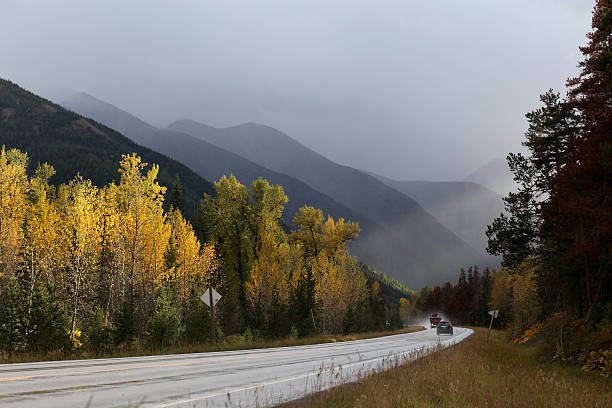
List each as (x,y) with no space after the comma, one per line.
(472,374)
(233,343)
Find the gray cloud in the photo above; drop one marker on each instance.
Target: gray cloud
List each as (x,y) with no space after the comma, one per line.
(413,90)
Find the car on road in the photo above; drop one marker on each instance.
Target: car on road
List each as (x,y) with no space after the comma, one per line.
(434,319)
(445,327)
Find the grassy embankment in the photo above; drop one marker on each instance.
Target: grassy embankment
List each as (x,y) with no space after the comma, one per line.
(472,374)
(230,343)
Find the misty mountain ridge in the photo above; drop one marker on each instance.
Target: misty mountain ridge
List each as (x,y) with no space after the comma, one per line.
(274,149)
(75,145)
(398,237)
(494,175)
(466,208)
(374,244)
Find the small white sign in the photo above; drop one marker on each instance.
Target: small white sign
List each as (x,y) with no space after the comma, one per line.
(494,313)
(216,297)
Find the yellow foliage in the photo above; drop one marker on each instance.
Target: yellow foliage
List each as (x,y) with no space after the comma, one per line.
(529,334)
(193,259)
(599,360)
(75,339)
(143,231)
(270,276)
(525,306)
(339,284)
(13,188)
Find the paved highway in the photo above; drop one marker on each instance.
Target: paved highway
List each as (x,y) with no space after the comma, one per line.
(233,378)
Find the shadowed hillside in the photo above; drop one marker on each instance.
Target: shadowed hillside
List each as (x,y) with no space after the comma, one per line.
(437,249)
(73,144)
(398,236)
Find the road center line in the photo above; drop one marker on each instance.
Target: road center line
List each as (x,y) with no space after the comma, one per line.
(186,363)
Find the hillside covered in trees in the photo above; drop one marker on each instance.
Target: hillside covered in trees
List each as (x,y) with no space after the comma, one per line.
(91,267)
(556,239)
(74,144)
(554,289)
(397,236)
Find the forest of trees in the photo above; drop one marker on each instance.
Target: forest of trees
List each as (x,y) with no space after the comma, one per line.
(91,268)
(556,238)
(464,303)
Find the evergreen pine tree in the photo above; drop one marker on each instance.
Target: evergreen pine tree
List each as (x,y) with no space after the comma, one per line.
(164,325)
(176,199)
(197,321)
(98,334)
(124,325)
(303,304)
(12,318)
(396,322)
(378,312)
(48,326)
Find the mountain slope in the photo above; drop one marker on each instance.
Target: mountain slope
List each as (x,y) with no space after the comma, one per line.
(494,175)
(71,143)
(375,245)
(465,208)
(411,250)
(427,241)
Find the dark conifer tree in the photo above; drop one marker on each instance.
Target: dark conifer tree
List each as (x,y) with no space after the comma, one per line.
(12,318)
(48,326)
(303,304)
(176,199)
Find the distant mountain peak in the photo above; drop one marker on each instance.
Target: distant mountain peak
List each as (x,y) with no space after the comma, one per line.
(495,175)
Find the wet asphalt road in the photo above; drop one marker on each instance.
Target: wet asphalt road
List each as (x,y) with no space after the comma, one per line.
(246,378)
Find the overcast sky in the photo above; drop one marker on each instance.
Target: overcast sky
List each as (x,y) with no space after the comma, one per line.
(410,89)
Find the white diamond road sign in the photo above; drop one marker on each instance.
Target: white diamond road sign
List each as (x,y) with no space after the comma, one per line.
(206,297)
(494,313)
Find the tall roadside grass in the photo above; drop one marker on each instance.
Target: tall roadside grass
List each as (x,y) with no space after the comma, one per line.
(472,374)
(236,342)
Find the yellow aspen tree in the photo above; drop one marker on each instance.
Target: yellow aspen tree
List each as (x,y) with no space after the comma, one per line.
(41,243)
(13,188)
(192,258)
(336,234)
(309,221)
(268,283)
(82,237)
(209,263)
(340,284)
(525,299)
(501,293)
(140,200)
(407,308)
(157,233)
(269,278)
(109,256)
(293,258)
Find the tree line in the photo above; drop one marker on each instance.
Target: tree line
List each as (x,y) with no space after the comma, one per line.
(92,268)
(463,303)
(556,236)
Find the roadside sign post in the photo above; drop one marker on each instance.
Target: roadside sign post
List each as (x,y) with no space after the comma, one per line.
(211,300)
(493,314)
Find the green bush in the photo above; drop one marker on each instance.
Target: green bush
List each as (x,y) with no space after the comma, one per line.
(164,325)
(98,334)
(197,322)
(124,325)
(248,334)
(49,326)
(12,318)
